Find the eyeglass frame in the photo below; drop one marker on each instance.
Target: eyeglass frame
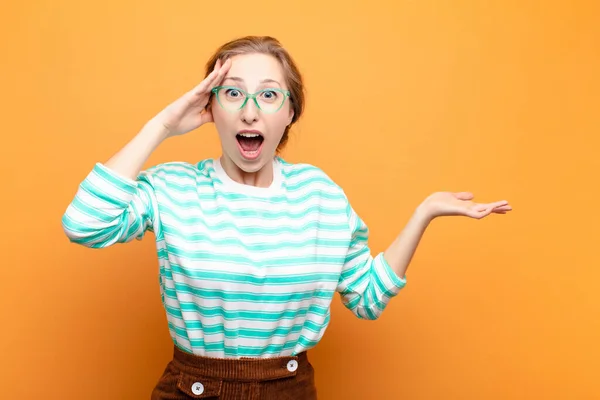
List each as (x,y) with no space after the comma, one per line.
(286,94)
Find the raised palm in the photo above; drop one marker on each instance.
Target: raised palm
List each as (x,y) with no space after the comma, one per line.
(460,203)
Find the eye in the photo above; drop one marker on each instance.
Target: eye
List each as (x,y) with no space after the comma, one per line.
(269,95)
(233,93)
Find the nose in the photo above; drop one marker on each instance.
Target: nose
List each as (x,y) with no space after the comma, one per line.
(249,112)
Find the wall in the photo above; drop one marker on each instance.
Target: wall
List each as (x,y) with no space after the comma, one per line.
(404,98)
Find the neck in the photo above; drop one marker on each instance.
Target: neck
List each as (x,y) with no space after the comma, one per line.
(261,178)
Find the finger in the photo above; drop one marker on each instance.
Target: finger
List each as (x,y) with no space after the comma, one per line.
(480,207)
(497,204)
(463,195)
(484,206)
(479,211)
(221,73)
(483,210)
(214,78)
(208,82)
(205,84)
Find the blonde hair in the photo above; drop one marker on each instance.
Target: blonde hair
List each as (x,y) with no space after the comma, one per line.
(271,46)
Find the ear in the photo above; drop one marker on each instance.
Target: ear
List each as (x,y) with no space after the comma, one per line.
(290,116)
(209,103)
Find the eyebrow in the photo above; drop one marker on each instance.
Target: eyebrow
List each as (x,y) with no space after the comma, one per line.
(238,79)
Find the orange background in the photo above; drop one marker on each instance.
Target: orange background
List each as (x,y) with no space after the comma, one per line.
(404,98)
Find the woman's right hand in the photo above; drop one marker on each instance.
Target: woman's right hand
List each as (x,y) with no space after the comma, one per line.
(189,111)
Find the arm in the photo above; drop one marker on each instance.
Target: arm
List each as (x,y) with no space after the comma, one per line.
(111,205)
(402,250)
(367,284)
(116,203)
(130,159)
(400,253)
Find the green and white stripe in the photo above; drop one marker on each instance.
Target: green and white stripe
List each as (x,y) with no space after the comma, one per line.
(244,271)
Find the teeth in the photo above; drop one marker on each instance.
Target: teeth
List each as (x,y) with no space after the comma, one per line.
(247,134)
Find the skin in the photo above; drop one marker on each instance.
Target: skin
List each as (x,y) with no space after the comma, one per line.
(190,111)
(252,73)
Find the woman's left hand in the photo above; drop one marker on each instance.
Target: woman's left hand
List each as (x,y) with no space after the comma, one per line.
(449,203)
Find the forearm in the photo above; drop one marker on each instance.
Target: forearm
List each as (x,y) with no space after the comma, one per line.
(131,158)
(400,253)
(109,209)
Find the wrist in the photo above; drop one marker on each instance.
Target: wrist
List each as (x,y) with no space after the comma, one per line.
(154,132)
(424,213)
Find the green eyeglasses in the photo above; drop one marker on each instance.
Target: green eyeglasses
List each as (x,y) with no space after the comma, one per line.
(232,98)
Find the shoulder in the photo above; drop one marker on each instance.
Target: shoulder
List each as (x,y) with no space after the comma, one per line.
(179,168)
(306,175)
(179,171)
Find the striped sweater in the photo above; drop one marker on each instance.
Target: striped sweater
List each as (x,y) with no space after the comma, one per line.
(243,271)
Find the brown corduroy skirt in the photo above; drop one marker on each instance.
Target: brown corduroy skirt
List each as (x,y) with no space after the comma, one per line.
(189,376)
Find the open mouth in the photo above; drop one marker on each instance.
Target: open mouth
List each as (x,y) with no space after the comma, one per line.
(250,143)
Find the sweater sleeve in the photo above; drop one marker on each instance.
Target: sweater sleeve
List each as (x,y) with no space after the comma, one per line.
(109,208)
(366,283)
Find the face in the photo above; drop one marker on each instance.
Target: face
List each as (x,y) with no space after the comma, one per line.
(250,135)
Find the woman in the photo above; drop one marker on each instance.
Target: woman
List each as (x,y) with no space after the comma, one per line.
(251,248)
